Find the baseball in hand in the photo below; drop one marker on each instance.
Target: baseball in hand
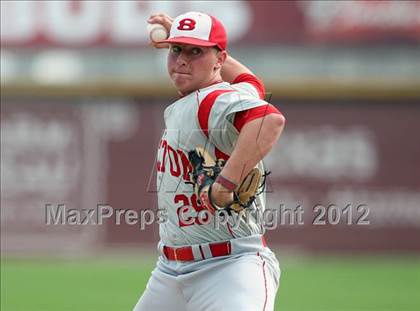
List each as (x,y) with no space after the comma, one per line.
(157,32)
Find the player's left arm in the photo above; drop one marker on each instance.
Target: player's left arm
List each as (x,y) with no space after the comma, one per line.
(256,138)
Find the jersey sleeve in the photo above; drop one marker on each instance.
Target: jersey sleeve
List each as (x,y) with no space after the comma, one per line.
(221,117)
(243,117)
(250,84)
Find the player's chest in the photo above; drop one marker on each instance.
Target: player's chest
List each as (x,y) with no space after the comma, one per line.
(182,127)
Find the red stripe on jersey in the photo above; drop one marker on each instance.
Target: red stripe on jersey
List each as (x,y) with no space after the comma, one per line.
(203,117)
(243,117)
(205,108)
(251,79)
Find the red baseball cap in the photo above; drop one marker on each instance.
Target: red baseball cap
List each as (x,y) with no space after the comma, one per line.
(198,29)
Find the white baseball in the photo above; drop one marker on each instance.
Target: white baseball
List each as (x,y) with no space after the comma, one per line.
(157,32)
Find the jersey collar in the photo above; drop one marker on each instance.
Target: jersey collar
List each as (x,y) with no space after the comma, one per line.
(202,89)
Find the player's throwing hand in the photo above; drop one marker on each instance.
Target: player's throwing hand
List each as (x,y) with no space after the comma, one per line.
(164,20)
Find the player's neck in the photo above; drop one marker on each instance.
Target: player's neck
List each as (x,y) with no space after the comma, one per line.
(216,80)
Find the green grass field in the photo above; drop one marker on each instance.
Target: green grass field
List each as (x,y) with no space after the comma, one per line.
(307,284)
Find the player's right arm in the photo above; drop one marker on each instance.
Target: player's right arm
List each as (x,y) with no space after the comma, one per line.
(232,69)
(235,72)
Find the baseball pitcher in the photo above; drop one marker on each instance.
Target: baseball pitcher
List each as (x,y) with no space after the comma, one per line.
(210,178)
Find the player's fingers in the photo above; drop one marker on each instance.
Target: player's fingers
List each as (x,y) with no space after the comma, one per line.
(161,15)
(163,21)
(161,18)
(167,23)
(162,45)
(158,14)
(158,45)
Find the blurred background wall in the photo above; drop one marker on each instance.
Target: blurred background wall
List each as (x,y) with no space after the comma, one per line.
(83,95)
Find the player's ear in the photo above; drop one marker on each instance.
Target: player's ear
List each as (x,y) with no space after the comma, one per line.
(221,58)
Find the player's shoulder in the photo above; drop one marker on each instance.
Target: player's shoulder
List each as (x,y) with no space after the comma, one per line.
(226,93)
(180,104)
(221,87)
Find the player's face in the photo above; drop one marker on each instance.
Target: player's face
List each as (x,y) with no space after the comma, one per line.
(193,67)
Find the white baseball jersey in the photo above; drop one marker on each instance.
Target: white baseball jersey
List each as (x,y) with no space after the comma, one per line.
(202,118)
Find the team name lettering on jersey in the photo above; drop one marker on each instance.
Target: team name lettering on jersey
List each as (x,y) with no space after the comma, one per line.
(186,204)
